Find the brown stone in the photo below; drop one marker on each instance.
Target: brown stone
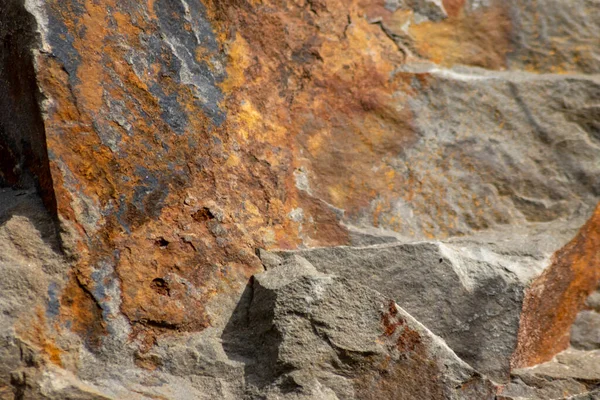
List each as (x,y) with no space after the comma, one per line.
(170,139)
(553,301)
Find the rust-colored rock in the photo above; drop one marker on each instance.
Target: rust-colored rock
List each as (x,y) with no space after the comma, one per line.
(551,304)
(171,139)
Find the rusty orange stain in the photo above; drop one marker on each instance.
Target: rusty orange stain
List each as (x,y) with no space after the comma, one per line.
(553,301)
(35,331)
(315,91)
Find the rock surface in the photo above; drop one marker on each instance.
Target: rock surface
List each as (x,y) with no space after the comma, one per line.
(585,333)
(573,373)
(437,163)
(327,337)
(479,293)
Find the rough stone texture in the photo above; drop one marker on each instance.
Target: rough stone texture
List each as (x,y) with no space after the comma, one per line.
(593,302)
(321,336)
(572,372)
(33,272)
(482,294)
(556,36)
(550,36)
(585,333)
(542,169)
(556,296)
(167,140)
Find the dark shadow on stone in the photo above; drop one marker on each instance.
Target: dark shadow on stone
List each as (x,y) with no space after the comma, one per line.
(24,159)
(251,337)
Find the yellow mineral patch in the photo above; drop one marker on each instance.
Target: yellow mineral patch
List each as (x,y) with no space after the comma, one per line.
(315,142)
(35,331)
(233,160)
(481,38)
(249,120)
(237,63)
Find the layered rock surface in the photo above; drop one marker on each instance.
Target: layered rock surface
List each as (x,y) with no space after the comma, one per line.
(435,162)
(494,297)
(334,338)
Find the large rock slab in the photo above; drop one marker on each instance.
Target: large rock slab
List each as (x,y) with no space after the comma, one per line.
(325,337)
(178,140)
(551,36)
(508,298)
(489,153)
(169,139)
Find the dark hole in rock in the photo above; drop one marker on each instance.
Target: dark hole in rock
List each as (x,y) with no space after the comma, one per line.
(203,214)
(441,260)
(162,242)
(161,287)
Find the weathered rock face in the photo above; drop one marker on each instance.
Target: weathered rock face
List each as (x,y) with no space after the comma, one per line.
(496,299)
(585,332)
(151,147)
(303,325)
(32,270)
(573,373)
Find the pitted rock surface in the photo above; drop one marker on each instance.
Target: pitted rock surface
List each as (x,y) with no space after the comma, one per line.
(438,160)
